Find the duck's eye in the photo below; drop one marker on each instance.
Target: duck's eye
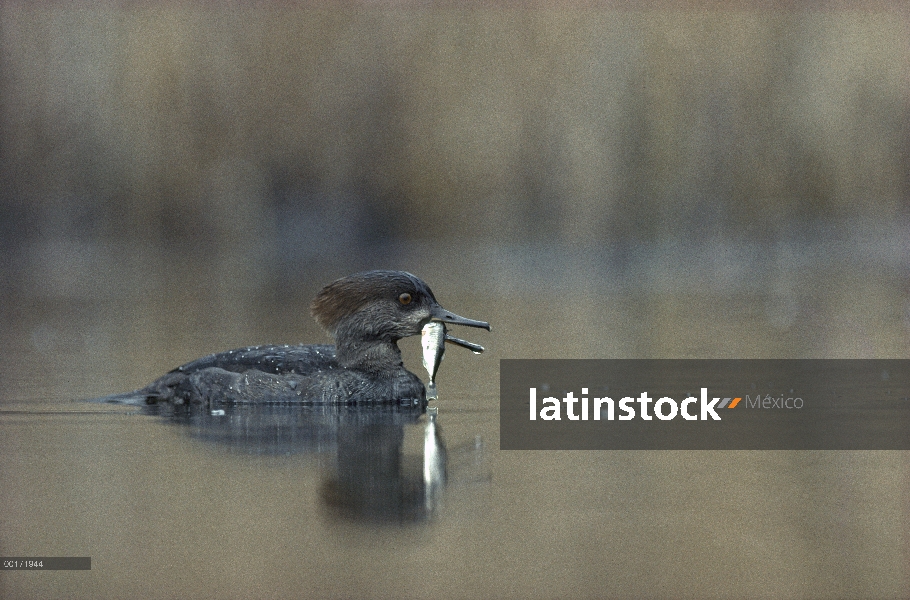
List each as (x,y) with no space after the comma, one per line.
(405,298)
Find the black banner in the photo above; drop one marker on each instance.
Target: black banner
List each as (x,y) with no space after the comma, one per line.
(705,404)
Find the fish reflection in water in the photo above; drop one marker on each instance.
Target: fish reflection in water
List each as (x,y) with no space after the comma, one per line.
(434,462)
(373,478)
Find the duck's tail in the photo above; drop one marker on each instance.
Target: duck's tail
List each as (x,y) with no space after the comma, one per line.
(134,398)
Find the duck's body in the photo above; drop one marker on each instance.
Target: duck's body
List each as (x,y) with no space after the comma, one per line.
(303,373)
(366,313)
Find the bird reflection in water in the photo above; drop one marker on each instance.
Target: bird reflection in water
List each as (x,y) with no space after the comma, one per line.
(373,478)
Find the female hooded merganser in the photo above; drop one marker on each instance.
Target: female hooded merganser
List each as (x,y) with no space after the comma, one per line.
(366,314)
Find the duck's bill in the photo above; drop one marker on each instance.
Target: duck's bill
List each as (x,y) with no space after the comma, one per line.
(475,348)
(443,316)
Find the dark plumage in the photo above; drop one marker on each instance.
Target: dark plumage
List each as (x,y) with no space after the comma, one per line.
(366,314)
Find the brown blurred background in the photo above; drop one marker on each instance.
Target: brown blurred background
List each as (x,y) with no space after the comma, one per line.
(734,182)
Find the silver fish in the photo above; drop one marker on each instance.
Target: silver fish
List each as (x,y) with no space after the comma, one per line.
(433,338)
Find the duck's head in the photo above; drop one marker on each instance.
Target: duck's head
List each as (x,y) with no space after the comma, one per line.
(382,306)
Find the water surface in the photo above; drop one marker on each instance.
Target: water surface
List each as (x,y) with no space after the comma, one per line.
(291,503)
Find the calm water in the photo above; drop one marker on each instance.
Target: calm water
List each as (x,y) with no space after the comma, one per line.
(307,503)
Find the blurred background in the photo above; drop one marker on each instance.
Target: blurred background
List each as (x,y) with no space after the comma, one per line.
(621,183)
(178,178)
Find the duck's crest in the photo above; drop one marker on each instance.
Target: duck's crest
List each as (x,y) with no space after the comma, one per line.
(349,295)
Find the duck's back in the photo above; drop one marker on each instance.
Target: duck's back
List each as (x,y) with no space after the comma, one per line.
(303,359)
(260,374)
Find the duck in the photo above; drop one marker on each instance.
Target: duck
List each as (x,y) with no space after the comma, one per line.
(366,314)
